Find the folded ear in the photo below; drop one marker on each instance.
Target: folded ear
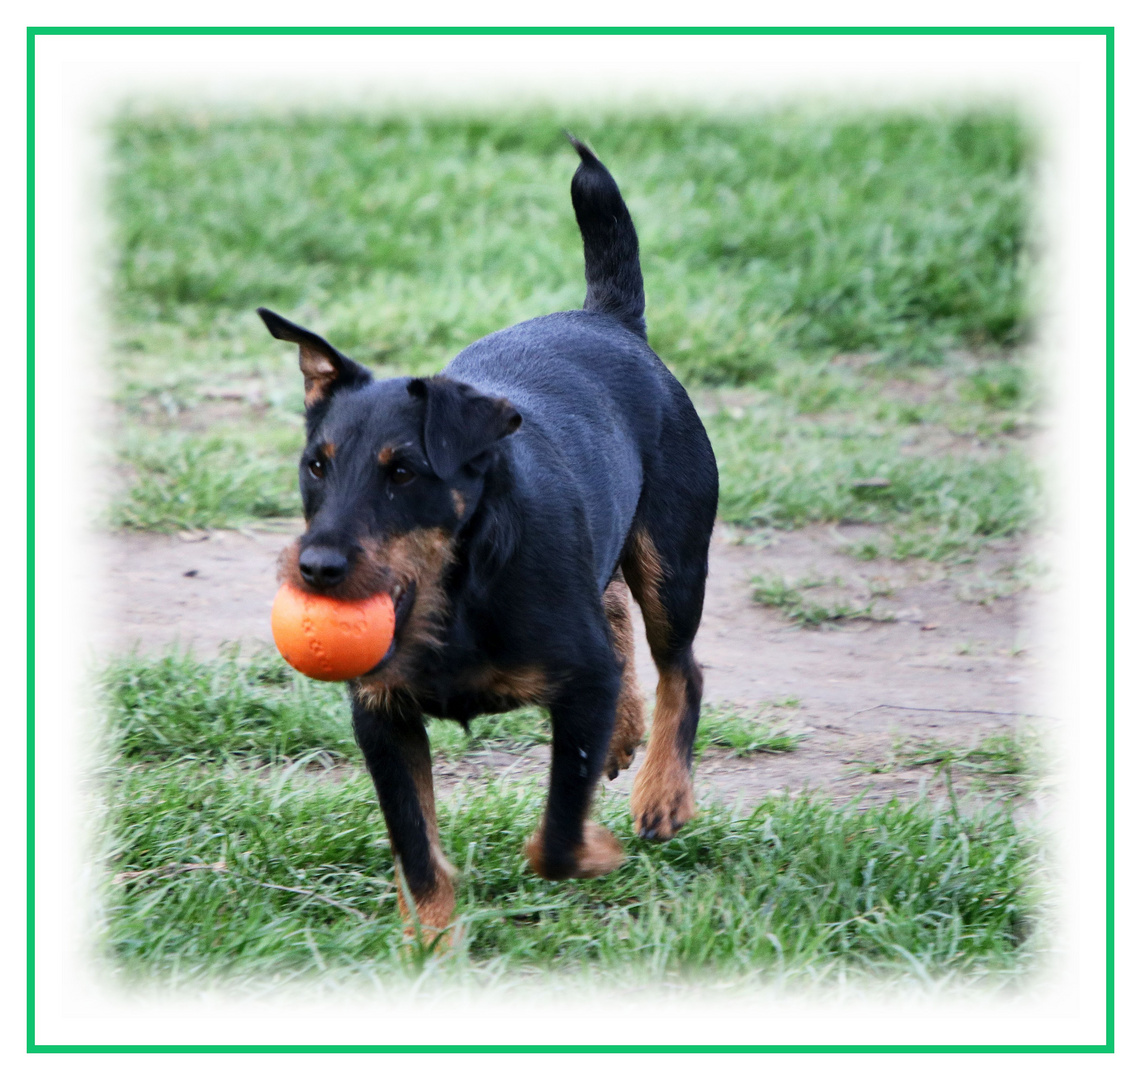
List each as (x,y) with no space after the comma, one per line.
(460,423)
(325,369)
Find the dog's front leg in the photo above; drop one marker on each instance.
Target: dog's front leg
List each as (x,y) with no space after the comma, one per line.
(566,844)
(396,750)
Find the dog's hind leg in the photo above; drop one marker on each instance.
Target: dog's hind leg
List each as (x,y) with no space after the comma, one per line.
(665,564)
(630,718)
(566,844)
(392,736)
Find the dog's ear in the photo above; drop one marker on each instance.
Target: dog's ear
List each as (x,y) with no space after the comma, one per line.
(325,369)
(460,423)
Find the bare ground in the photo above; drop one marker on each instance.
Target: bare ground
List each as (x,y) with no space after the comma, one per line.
(952,664)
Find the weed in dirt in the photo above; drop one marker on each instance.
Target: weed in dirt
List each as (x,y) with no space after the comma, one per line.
(864,550)
(774,591)
(986,587)
(762,732)
(1009,761)
(880,587)
(770,244)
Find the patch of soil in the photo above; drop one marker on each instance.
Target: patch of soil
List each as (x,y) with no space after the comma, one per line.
(945,668)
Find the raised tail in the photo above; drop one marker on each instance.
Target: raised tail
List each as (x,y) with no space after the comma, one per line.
(610,244)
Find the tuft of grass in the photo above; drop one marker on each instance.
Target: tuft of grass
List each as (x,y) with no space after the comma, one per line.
(1009,580)
(185,482)
(1012,761)
(774,591)
(744,734)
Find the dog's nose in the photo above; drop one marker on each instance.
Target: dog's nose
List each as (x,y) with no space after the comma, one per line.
(323,567)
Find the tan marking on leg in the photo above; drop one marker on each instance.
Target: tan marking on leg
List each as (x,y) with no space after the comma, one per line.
(644,574)
(458,503)
(434,911)
(630,716)
(662,799)
(435,907)
(598,854)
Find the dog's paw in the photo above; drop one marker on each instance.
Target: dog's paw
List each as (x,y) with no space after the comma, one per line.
(619,758)
(432,923)
(661,804)
(598,854)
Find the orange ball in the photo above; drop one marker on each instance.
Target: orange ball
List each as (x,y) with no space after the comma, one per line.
(331,639)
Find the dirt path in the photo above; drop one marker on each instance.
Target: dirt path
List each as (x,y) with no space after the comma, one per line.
(940,654)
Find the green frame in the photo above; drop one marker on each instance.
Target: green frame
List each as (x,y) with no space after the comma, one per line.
(32,1047)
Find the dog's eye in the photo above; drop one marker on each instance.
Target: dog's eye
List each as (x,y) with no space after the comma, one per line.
(317,469)
(400,475)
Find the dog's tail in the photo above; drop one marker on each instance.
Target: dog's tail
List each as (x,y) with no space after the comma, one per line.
(613,273)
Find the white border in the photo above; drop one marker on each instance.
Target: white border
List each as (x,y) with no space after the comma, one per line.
(1062,76)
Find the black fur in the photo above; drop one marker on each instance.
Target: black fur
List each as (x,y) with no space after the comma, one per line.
(540,448)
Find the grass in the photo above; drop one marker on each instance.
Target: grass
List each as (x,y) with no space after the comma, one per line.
(186,482)
(1011,762)
(231,874)
(727,727)
(772,590)
(863,278)
(782,470)
(260,710)
(236,854)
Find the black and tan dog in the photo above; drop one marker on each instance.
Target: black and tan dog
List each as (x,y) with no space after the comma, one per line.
(506,504)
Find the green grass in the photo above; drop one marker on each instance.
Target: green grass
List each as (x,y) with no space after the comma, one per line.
(727,727)
(1011,762)
(235,875)
(771,245)
(235,854)
(186,482)
(779,469)
(772,590)
(261,710)
(815,231)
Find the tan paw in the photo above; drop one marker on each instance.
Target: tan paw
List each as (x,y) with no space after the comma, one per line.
(598,854)
(619,758)
(661,804)
(432,924)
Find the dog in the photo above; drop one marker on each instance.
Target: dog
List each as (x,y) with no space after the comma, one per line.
(509,506)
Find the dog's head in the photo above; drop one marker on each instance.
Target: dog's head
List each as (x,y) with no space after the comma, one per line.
(391,471)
